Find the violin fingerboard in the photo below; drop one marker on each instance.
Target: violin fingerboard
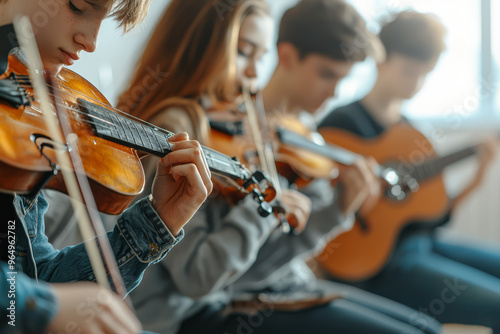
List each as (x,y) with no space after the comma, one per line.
(126,131)
(150,139)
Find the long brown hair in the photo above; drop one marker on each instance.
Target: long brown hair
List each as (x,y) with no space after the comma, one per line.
(192,52)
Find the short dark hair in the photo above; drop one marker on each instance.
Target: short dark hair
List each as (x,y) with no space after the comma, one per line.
(413,34)
(332,28)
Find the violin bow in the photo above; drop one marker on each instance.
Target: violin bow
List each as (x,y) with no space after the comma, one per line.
(265,153)
(89,221)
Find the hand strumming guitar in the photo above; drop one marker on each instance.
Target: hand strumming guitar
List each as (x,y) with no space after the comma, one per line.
(487,153)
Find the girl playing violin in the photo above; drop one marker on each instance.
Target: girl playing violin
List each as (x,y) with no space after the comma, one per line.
(144,233)
(235,272)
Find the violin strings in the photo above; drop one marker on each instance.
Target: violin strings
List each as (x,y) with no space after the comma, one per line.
(215,155)
(24,80)
(213,152)
(111,108)
(75,109)
(102,122)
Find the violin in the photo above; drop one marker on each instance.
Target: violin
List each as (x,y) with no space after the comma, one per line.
(300,165)
(395,185)
(260,150)
(297,164)
(108,142)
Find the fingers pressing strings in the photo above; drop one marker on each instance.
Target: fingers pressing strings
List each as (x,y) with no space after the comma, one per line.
(184,157)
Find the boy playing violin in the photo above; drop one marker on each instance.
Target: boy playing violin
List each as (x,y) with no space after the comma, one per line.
(144,233)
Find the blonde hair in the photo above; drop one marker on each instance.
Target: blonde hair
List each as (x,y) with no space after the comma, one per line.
(193,52)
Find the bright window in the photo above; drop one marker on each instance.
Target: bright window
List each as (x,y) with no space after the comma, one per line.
(495,39)
(458,84)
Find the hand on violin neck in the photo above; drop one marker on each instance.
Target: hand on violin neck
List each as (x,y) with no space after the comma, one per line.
(360,187)
(182,183)
(298,208)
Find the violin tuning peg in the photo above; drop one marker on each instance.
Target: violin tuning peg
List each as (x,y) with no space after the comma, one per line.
(257,195)
(285,226)
(265,209)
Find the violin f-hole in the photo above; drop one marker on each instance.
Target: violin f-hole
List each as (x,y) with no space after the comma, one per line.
(42,141)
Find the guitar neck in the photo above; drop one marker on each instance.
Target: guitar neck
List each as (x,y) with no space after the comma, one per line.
(150,139)
(435,166)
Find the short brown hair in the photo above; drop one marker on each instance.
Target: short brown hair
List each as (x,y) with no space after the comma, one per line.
(413,34)
(128,13)
(332,28)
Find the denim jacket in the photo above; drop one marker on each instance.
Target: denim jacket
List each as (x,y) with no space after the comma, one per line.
(139,239)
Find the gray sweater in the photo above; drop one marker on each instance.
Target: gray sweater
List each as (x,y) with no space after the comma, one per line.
(232,252)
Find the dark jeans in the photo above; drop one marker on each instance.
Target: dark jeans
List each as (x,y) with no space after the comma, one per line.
(358,312)
(451,282)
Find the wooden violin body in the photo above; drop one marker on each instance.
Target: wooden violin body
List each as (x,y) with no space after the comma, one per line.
(24,136)
(298,166)
(108,142)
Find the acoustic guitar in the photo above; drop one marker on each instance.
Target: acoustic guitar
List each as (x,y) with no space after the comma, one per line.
(419,197)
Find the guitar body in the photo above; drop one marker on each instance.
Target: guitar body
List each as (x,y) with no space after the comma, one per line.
(360,254)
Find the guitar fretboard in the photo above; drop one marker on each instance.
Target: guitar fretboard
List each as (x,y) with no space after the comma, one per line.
(435,166)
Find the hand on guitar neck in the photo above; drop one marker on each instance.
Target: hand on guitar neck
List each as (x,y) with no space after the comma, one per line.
(487,151)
